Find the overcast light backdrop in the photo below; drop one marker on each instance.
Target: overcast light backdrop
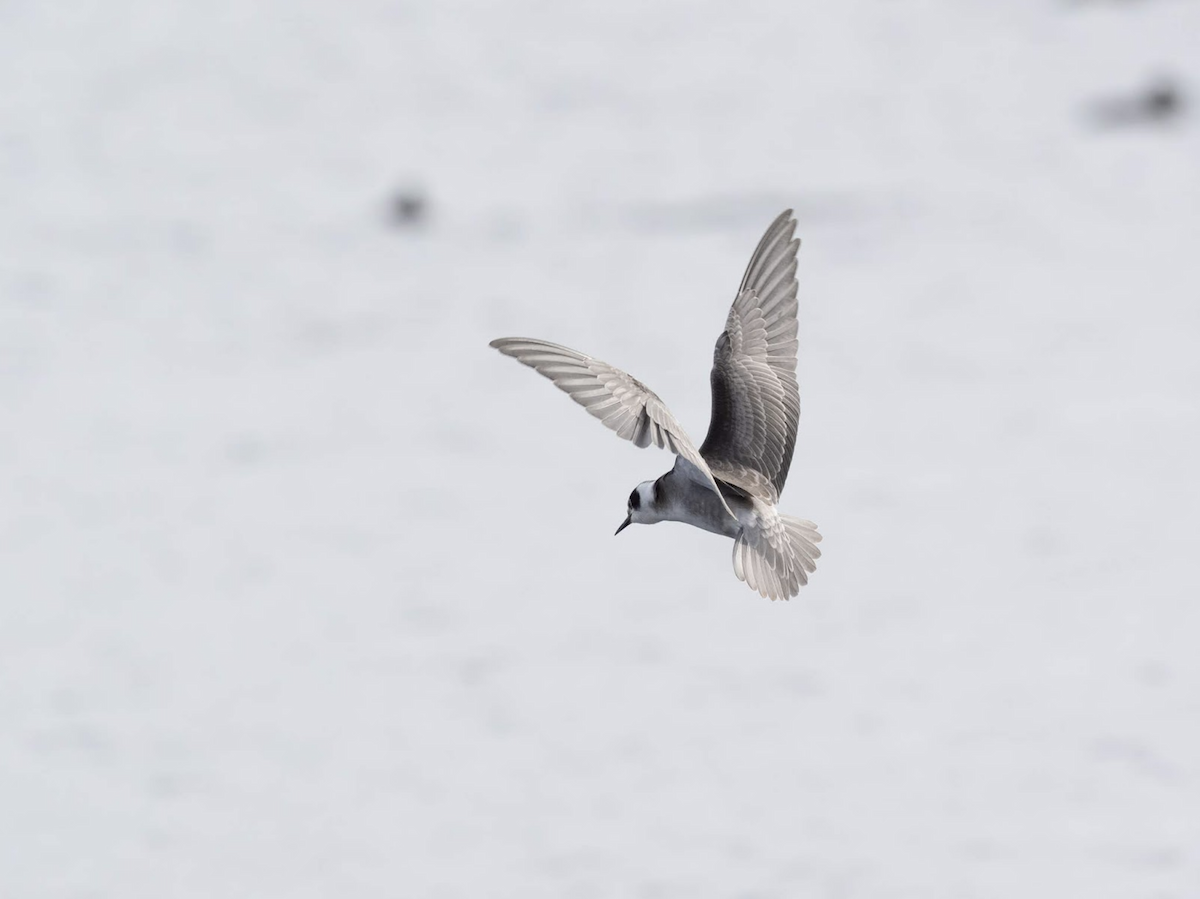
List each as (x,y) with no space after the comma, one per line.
(306,592)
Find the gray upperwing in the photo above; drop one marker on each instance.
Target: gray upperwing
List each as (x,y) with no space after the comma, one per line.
(755,398)
(621,402)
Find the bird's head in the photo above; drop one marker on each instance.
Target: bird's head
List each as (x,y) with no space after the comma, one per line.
(643,506)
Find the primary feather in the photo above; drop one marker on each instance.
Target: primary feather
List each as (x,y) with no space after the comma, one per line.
(755,398)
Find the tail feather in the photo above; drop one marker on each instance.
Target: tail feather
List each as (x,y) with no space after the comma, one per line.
(776,557)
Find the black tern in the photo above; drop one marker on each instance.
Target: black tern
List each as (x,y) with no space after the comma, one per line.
(731,485)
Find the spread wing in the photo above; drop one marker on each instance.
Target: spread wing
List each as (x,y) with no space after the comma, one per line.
(620,401)
(755,399)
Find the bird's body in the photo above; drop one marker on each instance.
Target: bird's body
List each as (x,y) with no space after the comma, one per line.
(676,497)
(731,484)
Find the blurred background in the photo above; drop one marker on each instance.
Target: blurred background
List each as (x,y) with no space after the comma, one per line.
(305,591)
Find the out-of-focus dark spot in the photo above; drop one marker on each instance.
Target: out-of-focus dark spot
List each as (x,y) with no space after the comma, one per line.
(408,209)
(1160,101)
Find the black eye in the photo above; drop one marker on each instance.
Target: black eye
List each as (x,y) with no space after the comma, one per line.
(634,501)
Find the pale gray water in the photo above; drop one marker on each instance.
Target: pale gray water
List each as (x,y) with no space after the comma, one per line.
(282,614)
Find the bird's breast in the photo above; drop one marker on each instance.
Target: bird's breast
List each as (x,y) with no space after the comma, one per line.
(694,504)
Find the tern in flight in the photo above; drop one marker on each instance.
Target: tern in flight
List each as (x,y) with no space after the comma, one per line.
(731,485)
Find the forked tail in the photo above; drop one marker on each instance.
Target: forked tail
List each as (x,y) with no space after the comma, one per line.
(776,557)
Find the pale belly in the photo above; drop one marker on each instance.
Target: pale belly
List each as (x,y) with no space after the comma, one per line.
(697,505)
